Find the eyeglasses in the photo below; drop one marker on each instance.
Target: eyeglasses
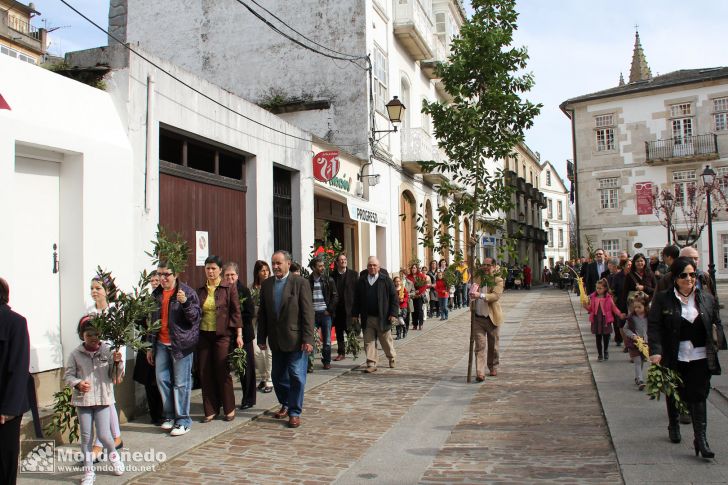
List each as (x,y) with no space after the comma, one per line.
(683,276)
(164,275)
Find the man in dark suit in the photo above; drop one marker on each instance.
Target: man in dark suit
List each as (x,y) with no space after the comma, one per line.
(14,375)
(345,280)
(376,306)
(286,322)
(594,271)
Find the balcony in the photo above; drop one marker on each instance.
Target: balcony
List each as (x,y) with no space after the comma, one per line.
(686,148)
(416,147)
(413,26)
(22,33)
(429,66)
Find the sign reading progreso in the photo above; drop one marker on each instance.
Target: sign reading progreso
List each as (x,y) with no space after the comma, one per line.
(325,166)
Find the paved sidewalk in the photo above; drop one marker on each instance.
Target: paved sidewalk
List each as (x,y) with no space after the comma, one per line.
(638,426)
(141,436)
(538,421)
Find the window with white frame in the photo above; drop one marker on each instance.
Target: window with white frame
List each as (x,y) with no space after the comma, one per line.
(380,72)
(609,192)
(724,247)
(684,181)
(560,210)
(551,237)
(605,132)
(682,123)
(549,209)
(720,114)
(721,174)
(548,178)
(610,246)
(561,238)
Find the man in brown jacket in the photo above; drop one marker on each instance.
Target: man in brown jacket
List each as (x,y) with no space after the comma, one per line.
(286,321)
(487,318)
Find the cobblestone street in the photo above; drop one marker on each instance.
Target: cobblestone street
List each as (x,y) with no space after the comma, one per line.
(539,420)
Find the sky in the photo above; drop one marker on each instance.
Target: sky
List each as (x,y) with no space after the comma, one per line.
(575,46)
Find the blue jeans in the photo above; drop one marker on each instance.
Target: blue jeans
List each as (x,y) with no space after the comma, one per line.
(323,322)
(289,379)
(443,308)
(175,395)
(465,299)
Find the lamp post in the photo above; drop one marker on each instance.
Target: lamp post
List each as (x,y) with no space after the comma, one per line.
(708,176)
(395,112)
(669,204)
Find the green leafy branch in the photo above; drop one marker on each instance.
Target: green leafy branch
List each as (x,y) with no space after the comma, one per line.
(171,248)
(64,415)
(238,360)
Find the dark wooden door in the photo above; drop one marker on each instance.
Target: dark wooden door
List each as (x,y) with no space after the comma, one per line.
(186,206)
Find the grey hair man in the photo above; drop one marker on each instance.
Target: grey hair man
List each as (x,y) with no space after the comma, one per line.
(376,306)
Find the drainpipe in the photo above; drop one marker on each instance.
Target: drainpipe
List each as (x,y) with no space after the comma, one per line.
(148,155)
(572,116)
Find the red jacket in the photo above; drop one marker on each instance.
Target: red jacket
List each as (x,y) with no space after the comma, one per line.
(609,308)
(422,289)
(404,302)
(441,288)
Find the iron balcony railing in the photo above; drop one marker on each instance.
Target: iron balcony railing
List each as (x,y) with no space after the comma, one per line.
(685,146)
(416,145)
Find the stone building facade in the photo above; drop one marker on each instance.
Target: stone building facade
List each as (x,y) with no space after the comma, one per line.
(555,215)
(649,134)
(19,38)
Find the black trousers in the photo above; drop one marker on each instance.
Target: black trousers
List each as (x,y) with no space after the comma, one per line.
(247,380)
(9,451)
(418,318)
(154,401)
(603,340)
(339,324)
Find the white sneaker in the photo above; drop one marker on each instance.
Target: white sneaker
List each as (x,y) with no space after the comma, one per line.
(167,424)
(89,478)
(116,463)
(179,430)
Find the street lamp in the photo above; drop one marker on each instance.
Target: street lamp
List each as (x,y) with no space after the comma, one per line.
(708,176)
(669,203)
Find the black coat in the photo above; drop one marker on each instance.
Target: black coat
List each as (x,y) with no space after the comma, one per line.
(663,327)
(345,287)
(387,296)
(328,288)
(247,312)
(591,276)
(14,362)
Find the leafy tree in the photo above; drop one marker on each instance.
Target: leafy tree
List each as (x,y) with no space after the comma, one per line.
(484,122)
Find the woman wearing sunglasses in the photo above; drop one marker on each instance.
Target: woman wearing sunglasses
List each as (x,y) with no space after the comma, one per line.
(685,333)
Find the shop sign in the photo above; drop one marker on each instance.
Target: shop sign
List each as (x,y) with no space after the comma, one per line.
(366,214)
(341,183)
(325,166)
(487,241)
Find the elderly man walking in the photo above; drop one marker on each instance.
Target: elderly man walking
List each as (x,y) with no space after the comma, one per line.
(286,321)
(487,318)
(376,306)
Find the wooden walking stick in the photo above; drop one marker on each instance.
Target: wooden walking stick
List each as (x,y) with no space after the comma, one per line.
(470,352)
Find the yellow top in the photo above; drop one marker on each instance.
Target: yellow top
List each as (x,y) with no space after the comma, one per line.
(209,311)
(463,268)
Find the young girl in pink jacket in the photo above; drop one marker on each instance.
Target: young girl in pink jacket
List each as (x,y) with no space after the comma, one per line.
(602,309)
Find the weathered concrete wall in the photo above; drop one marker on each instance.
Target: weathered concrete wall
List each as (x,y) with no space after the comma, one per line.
(225,44)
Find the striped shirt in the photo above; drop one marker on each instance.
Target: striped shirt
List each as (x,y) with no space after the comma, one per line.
(319,302)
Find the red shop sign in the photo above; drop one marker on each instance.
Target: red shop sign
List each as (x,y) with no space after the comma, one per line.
(325,166)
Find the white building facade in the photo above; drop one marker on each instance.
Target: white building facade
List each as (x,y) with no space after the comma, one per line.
(556,215)
(653,133)
(330,98)
(100,169)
